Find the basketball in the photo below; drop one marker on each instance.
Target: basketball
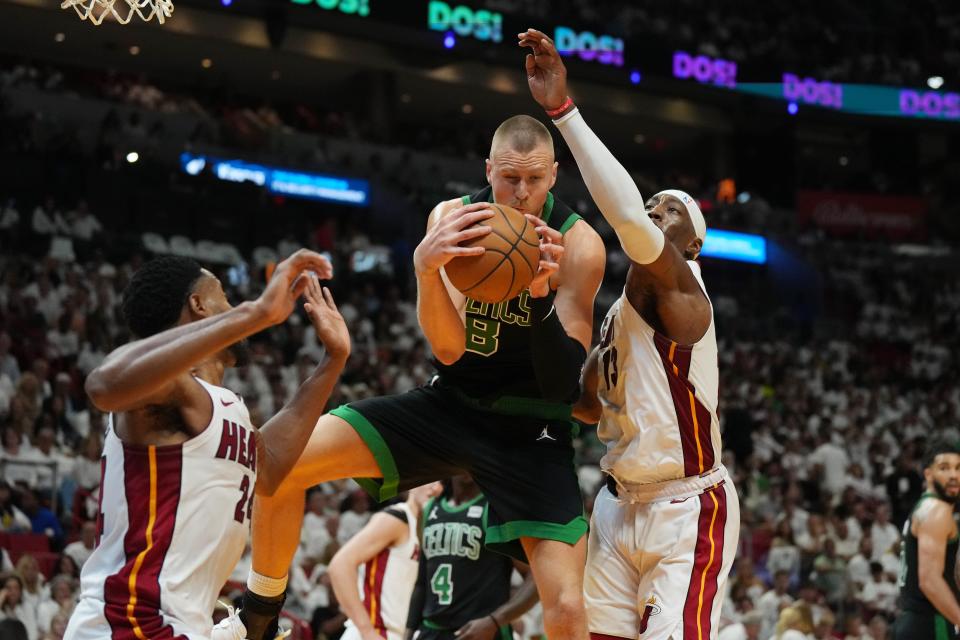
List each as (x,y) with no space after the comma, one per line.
(507,266)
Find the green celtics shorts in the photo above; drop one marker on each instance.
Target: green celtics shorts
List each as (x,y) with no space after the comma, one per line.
(524,464)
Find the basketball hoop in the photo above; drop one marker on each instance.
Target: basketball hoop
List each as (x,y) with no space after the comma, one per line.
(96,10)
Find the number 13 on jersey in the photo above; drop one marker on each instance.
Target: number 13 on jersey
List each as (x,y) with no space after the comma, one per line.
(608,354)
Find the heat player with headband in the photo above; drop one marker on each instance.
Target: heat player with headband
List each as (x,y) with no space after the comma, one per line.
(665,527)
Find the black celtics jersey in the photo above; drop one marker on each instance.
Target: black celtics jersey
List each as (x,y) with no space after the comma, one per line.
(497,367)
(464,580)
(911,597)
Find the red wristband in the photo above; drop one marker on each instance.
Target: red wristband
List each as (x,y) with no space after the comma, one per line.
(553,113)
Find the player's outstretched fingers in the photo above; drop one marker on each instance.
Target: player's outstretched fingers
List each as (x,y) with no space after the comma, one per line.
(303,260)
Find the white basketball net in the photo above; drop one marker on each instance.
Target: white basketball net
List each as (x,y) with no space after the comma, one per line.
(122,10)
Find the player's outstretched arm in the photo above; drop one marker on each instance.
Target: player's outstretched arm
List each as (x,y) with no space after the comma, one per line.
(934,526)
(148,371)
(286,434)
(440,307)
(609,183)
(588,408)
(381,532)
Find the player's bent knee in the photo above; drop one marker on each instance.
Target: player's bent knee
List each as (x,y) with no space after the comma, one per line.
(566,611)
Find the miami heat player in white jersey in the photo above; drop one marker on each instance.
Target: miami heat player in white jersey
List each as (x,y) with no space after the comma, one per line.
(665,528)
(173,523)
(386,582)
(661,423)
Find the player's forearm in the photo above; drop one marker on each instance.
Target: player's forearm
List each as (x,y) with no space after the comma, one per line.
(287,433)
(343,579)
(439,319)
(557,358)
(612,189)
(938,592)
(519,603)
(140,369)
(588,408)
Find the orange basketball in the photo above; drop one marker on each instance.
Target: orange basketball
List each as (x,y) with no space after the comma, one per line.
(508,264)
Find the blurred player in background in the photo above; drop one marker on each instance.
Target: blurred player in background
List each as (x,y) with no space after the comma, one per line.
(388,549)
(463,588)
(665,527)
(181,459)
(500,408)
(929,592)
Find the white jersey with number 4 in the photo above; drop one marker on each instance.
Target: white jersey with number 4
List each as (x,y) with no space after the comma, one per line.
(173,523)
(659,399)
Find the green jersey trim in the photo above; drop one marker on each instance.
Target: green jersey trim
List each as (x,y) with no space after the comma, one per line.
(547,208)
(450,508)
(940,624)
(379,488)
(570,532)
(429,624)
(503,633)
(569,222)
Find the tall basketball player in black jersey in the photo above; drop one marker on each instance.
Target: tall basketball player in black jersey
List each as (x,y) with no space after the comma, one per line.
(500,409)
(929,592)
(463,589)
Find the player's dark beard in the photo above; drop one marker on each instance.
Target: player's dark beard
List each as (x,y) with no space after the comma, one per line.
(240,352)
(941,492)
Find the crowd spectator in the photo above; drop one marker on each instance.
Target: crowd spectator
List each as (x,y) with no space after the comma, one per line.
(13,607)
(79,550)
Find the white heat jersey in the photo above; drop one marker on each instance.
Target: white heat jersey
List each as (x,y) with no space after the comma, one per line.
(173,523)
(386,583)
(659,399)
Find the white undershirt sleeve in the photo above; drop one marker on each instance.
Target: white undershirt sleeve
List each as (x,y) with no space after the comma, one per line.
(612,188)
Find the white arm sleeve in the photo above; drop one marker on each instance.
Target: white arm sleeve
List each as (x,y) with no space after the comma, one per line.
(612,188)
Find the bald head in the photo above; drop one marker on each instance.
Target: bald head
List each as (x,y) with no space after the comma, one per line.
(522,134)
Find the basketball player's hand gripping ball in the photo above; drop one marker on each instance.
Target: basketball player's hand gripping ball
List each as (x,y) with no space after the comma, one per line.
(327,321)
(289,281)
(441,244)
(551,250)
(546,73)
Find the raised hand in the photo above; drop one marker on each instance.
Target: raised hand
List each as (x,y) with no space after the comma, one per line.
(441,244)
(327,321)
(546,73)
(551,250)
(289,281)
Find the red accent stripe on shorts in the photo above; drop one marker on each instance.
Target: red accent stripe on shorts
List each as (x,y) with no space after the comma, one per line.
(707,560)
(693,419)
(151,479)
(375,570)
(603,636)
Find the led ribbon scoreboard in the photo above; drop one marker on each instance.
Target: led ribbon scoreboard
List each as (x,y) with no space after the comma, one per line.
(473,29)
